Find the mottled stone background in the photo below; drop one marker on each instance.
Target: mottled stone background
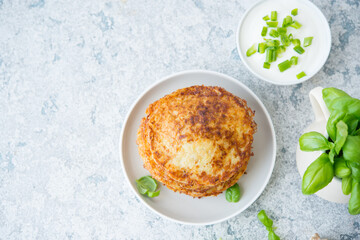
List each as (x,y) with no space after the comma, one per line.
(69,72)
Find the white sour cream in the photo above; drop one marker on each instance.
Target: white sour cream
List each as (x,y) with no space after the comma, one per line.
(314,25)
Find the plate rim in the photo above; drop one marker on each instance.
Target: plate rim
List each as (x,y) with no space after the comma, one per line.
(243,60)
(168,78)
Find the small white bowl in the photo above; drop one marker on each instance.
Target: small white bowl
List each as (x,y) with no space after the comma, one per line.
(313,23)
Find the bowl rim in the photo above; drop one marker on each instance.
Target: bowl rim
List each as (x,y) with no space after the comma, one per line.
(197,71)
(243,60)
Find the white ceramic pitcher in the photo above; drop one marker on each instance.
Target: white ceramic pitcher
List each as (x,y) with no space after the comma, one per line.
(333,191)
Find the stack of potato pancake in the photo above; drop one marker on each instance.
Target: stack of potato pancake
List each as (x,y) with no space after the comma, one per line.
(197,140)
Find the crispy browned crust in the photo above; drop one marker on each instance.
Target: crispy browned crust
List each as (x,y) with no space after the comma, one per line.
(191,115)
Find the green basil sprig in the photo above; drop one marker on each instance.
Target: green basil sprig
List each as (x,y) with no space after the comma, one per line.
(268,223)
(147,186)
(317,175)
(233,193)
(341,152)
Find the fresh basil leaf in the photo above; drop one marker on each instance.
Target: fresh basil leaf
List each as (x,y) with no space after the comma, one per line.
(356,133)
(334,118)
(264,219)
(355,169)
(346,185)
(313,141)
(341,169)
(354,202)
(146,184)
(153,194)
(330,94)
(233,193)
(351,149)
(352,123)
(332,155)
(341,135)
(273,236)
(318,175)
(347,104)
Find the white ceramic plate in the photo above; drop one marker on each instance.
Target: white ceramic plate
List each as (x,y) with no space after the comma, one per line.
(313,24)
(182,208)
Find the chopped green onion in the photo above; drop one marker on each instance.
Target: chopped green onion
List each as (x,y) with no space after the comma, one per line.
(273,33)
(261,47)
(307,41)
(295,25)
(264,31)
(251,50)
(294,12)
(285,40)
(272,42)
(299,49)
(287,21)
(270,55)
(284,65)
(296,42)
(279,50)
(282,30)
(290,37)
(266,65)
(266,18)
(272,24)
(300,75)
(294,60)
(273,16)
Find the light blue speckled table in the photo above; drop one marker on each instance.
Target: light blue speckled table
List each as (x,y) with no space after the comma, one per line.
(69,72)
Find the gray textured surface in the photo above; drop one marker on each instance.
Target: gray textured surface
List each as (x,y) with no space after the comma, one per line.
(69,72)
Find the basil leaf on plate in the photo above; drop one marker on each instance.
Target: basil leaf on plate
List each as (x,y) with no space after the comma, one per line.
(232,194)
(318,175)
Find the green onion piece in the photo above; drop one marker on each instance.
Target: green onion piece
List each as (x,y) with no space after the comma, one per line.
(273,33)
(266,65)
(294,60)
(273,16)
(287,21)
(282,30)
(294,12)
(308,41)
(290,37)
(272,42)
(272,24)
(264,31)
(285,40)
(279,50)
(300,75)
(261,47)
(266,18)
(295,25)
(299,49)
(296,42)
(251,50)
(284,65)
(270,55)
